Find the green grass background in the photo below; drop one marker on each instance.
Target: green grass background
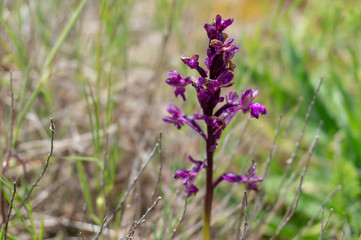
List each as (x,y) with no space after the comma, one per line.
(101,65)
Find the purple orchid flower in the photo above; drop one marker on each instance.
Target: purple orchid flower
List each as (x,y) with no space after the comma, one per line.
(191,62)
(178,82)
(246,104)
(215,29)
(189,176)
(178,118)
(208,88)
(234,178)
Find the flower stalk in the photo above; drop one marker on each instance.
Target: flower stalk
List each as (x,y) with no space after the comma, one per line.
(209,184)
(208,87)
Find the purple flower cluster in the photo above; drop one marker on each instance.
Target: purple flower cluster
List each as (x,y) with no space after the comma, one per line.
(208,87)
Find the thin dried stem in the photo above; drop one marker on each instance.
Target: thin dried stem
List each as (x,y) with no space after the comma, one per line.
(130,187)
(258,202)
(323,212)
(137,206)
(244,208)
(160,167)
(311,221)
(141,220)
(292,208)
(280,197)
(270,156)
(9,144)
(52,129)
(10,207)
(101,229)
(245,214)
(298,143)
(12,121)
(183,212)
(327,220)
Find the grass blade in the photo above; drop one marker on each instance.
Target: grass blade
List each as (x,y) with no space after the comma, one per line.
(46,71)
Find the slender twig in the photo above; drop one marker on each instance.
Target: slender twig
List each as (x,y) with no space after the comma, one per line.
(181,218)
(10,140)
(311,221)
(12,122)
(130,187)
(298,143)
(5,162)
(244,207)
(280,197)
(343,225)
(101,229)
(137,206)
(245,201)
(323,212)
(258,202)
(160,167)
(10,207)
(141,220)
(52,129)
(103,173)
(271,153)
(328,218)
(184,210)
(324,227)
(292,208)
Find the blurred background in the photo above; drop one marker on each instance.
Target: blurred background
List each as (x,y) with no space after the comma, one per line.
(99,69)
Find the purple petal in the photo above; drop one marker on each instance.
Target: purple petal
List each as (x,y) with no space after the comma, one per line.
(257,109)
(178,82)
(198,165)
(180,91)
(177,117)
(189,176)
(225,77)
(180,173)
(173,110)
(247,97)
(234,178)
(191,62)
(214,29)
(226,23)
(227,48)
(232,97)
(192,190)
(177,122)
